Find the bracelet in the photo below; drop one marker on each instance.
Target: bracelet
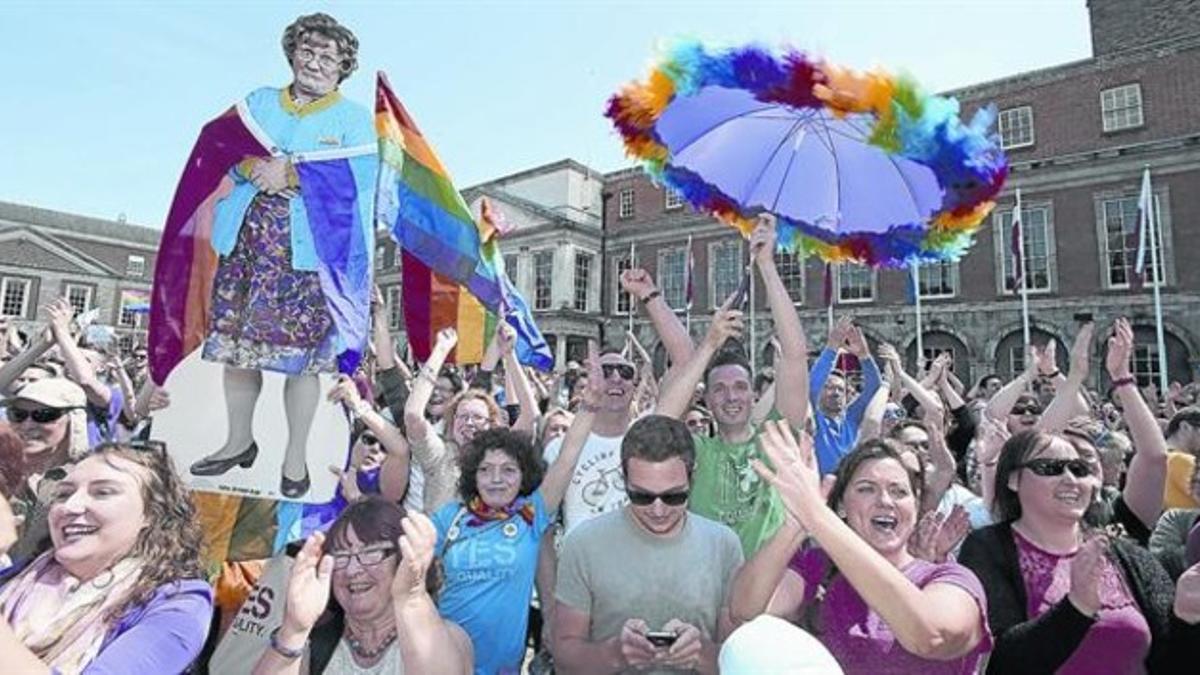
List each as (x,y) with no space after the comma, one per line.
(428,375)
(652,295)
(290,654)
(1123,381)
(1052,374)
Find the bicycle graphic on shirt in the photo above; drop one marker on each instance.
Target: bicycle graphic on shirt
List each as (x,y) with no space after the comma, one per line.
(597,492)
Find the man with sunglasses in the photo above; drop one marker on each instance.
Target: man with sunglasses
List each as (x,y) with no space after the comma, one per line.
(726,487)
(645,587)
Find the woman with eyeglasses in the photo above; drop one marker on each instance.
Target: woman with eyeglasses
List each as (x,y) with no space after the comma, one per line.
(488,540)
(876,607)
(1062,597)
(437,456)
(269,309)
(377,561)
(122,589)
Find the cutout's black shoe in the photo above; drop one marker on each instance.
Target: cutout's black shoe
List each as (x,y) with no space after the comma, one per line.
(216,467)
(294,489)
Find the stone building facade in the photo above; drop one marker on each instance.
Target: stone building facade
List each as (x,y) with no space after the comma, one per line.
(1078,137)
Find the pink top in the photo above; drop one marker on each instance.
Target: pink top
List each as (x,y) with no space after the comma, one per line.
(1117,642)
(861,640)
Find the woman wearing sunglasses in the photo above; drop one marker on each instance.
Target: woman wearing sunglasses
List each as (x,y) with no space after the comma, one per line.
(876,607)
(1065,599)
(122,589)
(377,560)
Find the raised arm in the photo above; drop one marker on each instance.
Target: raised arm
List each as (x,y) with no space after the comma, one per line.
(559,473)
(78,367)
(1068,400)
(939,621)
(428,643)
(1002,403)
(671,331)
(678,385)
(764,584)
(527,419)
(1147,474)
(415,424)
(393,474)
(13,368)
(857,344)
(791,399)
(823,365)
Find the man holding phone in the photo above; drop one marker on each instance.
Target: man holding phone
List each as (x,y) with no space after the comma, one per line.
(645,588)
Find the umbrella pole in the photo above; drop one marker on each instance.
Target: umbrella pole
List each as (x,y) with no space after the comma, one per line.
(916,282)
(753,329)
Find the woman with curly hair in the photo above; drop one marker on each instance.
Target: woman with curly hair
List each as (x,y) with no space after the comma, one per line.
(122,590)
(488,540)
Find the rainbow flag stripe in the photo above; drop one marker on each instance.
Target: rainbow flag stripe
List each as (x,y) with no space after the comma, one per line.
(453,271)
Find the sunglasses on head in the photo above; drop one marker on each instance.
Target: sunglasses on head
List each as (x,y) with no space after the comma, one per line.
(39,415)
(1056,467)
(625,370)
(639,498)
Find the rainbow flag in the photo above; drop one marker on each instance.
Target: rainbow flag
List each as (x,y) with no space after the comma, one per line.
(135,301)
(453,273)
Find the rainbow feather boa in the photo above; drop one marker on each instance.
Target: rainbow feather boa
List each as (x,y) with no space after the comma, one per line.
(966,158)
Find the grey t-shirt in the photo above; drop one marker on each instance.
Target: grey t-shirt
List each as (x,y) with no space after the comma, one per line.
(613,570)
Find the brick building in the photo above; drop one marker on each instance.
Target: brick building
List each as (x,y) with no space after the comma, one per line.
(1078,136)
(92,262)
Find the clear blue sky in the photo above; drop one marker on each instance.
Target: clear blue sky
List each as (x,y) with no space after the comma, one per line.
(103,99)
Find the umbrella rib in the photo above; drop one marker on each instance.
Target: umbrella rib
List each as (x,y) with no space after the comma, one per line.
(705,132)
(837,172)
(786,172)
(767,164)
(911,195)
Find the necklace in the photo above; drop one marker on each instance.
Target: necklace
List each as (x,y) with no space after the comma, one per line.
(369,654)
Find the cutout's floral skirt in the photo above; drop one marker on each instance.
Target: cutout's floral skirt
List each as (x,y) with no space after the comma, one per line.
(266,315)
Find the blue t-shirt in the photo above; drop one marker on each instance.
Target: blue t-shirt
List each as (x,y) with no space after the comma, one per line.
(489,581)
(103,423)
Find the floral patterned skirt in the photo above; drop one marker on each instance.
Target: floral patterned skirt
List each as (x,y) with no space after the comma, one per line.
(266,315)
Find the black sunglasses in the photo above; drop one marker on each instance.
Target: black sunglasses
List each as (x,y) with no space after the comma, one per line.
(625,370)
(1027,410)
(1056,467)
(639,498)
(39,415)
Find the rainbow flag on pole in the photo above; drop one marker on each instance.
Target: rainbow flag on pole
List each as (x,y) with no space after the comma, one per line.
(452,268)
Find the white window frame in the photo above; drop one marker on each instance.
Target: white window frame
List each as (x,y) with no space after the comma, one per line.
(513,270)
(586,286)
(1005,127)
(951,275)
(88,297)
(668,290)
(1144,363)
(395,307)
(379,257)
(620,264)
(135,266)
(549,304)
(1111,113)
(397,257)
(1106,268)
(838,271)
(625,203)
(128,319)
(1016,360)
(786,261)
(717,296)
(931,353)
(1003,242)
(5,283)
(672,199)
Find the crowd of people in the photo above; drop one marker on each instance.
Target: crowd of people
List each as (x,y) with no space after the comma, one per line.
(844,512)
(843,515)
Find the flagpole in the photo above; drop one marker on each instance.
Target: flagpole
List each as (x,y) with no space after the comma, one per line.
(687,317)
(632,300)
(828,284)
(1155,240)
(1018,221)
(753,328)
(914,271)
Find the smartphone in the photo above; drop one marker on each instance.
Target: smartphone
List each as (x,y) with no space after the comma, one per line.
(1083,317)
(661,638)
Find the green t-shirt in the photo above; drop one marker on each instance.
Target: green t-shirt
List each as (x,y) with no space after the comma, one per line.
(726,489)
